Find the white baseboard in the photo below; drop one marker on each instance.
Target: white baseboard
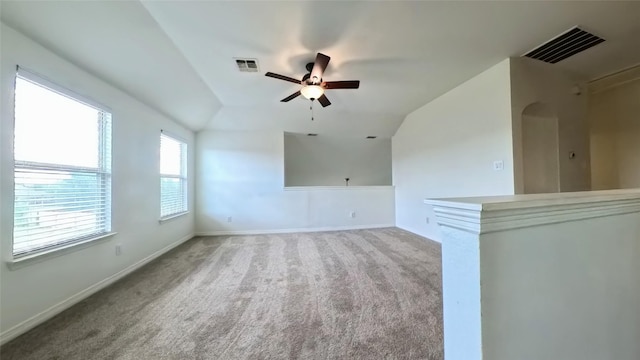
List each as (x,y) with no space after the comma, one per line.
(287,231)
(47,314)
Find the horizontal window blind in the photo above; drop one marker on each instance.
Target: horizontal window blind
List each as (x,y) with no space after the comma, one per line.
(62,168)
(173,176)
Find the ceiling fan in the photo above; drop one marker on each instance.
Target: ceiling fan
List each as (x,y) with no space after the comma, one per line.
(312,85)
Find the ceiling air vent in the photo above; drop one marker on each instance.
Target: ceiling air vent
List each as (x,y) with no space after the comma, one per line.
(564,45)
(247,65)
(371,137)
(311,134)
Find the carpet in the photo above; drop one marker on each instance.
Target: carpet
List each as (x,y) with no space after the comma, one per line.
(359,294)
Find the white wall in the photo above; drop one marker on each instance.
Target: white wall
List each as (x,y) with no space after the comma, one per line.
(603,136)
(540,154)
(32,293)
(447,148)
(563,291)
(241,175)
(614,120)
(556,276)
(327,160)
(534,81)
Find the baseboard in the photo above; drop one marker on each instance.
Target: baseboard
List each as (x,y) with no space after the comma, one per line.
(294,230)
(47,314)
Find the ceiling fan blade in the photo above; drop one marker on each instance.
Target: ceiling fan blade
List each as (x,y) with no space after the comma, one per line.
(291,97)
(324,101)
(319,66)
(282,77)
(349,84)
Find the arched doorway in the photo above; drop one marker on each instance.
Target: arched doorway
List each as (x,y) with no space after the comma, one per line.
(540,149)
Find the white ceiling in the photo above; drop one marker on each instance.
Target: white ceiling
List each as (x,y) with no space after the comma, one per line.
(178,56)
(121,43)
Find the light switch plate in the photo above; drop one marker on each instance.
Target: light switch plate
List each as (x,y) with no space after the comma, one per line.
(498,165)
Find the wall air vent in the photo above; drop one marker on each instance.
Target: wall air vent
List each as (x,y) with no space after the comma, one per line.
(564,45)
(247,65)
(371,137)
(311,134)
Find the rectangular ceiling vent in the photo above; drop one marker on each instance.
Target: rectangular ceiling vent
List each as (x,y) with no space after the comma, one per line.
(371,137)
(311,134)
(565,45)
(247,65)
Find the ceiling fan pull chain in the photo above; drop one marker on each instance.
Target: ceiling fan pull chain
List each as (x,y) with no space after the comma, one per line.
(311,108)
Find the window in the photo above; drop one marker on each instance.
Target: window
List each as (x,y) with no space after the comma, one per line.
(173,176)
(62,169)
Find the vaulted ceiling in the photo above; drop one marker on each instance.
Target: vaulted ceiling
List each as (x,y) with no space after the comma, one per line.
(178,56)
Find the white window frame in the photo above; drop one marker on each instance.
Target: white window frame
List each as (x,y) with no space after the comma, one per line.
(103,172)
(183,177)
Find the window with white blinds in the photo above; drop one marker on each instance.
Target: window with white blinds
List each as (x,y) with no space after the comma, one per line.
(62,152)
(173,176)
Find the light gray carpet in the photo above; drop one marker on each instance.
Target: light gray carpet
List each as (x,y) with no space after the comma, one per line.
(362,294)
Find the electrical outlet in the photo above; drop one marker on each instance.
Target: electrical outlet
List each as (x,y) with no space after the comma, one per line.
(118,249)
(352,214)
(498,165)
(229,219)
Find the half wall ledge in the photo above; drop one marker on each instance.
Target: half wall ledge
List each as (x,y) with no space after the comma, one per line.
(525,275)
(497,213)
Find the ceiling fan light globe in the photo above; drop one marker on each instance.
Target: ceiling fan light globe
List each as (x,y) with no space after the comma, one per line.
(312,91)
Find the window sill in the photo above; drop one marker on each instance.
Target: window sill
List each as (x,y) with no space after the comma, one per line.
(21,262)
(171,217)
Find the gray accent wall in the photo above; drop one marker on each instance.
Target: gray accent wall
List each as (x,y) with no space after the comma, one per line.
(327,160)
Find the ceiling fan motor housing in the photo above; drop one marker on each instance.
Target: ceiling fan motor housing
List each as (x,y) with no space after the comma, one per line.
(307,77)
(309,67)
